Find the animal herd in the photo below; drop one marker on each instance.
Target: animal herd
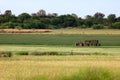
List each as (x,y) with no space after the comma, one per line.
(88,43)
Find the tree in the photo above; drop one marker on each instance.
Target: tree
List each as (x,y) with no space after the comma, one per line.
(7,17)
(8,13)
(111,19)
(81,22)
(98,18)
(24,16)
(52,15)
(41,13)
(116,25)
(34,16)
(118,19)
(99,15)
(68,21)
(89,21)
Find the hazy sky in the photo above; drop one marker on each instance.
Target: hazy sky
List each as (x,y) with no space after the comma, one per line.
(79,7)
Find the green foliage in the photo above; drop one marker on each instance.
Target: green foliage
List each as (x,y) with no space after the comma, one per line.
(98,18)
(83,26)
(24,16)
(91,73)
(9,25)
(111,18)
(89,21)
(116,25)
(41,20)
(8,13)
(98,26)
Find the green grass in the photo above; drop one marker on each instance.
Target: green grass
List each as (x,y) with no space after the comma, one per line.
(61,49)
(93,73)
(57,39)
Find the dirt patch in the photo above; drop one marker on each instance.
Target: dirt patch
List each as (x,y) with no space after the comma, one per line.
(25,30)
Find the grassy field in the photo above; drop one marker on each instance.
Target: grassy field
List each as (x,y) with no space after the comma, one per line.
(113,50)
(57,39)
(62,67)
(86,31)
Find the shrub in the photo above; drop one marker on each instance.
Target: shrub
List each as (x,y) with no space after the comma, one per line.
(37,53)
(5,54)
(96,53)
(52,53)
(83,26)
(45,53)
(116,25)
(22,53)
(98,26)
(9,54)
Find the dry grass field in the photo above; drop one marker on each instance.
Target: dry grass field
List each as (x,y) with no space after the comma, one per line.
(86,31)
(24,30)
(54,67)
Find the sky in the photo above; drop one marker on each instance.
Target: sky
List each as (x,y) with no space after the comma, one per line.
(79,7)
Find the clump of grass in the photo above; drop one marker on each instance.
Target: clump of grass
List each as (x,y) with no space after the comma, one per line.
(93,73)
(96,53)
(45,53)
(38,53)
(22,53)
(6,54)
(52,53)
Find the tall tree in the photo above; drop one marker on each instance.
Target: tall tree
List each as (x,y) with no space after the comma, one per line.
(118,19)
(24,16)
(98,18)
(111,19)
(89,20)
(41,13)
(8,13)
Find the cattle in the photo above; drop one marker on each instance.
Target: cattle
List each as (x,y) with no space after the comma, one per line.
(79,44)
(88,43)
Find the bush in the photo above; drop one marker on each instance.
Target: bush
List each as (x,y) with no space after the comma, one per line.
(22,53)
(45,53)
(52,53)
(84,26)
(116,25)
(9,54)
(5,54)
(96,53)
(37,53)
(98,26)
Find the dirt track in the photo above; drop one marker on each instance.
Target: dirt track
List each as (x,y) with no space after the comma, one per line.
(24,30)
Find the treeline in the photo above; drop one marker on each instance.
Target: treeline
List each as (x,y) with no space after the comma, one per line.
(41,20)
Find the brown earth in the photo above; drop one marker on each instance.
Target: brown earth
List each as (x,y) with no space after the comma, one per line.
(25,30)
